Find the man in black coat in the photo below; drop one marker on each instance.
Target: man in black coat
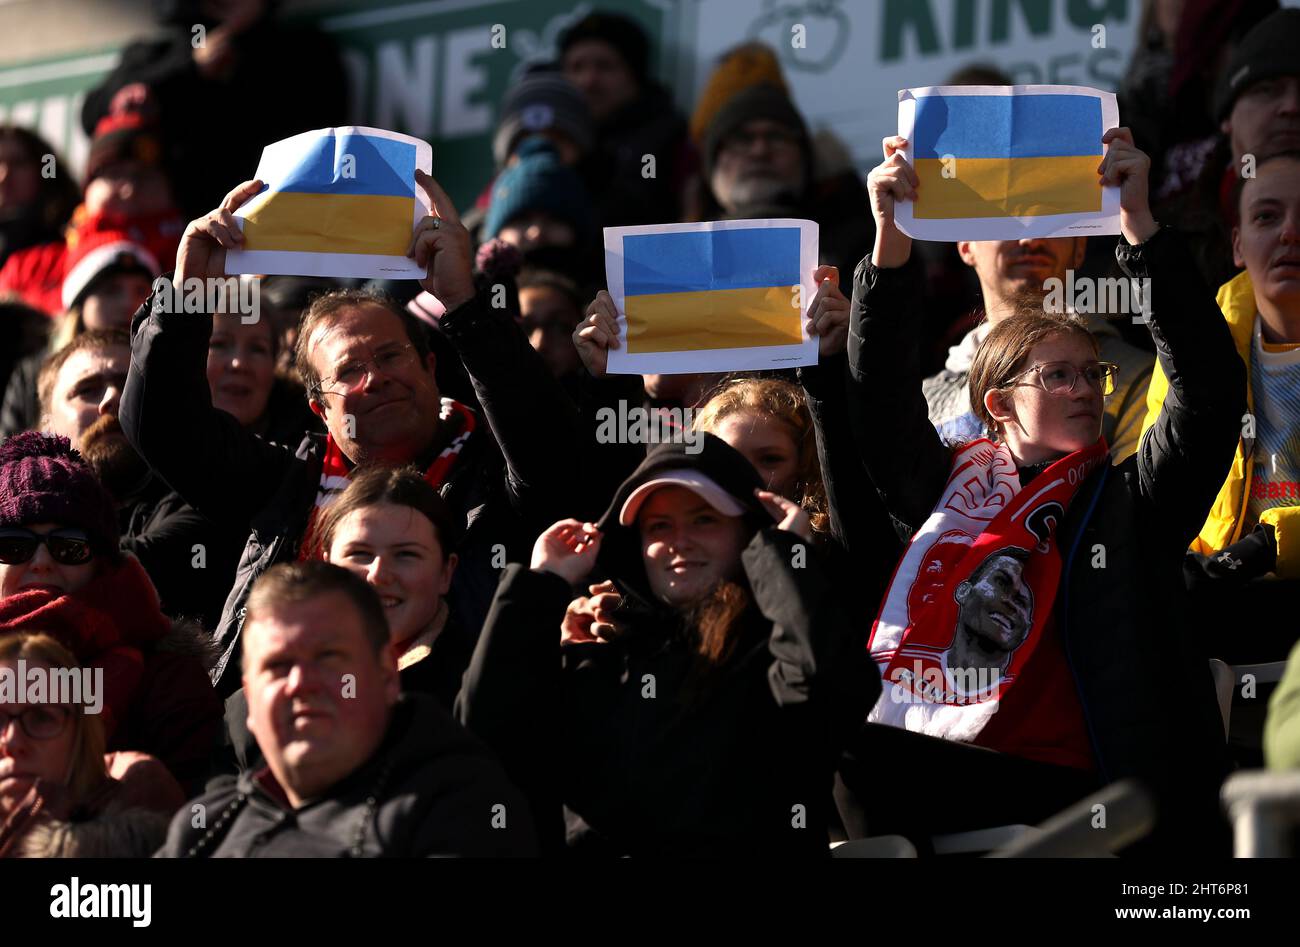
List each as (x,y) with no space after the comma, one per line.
(371,379)
(353,769)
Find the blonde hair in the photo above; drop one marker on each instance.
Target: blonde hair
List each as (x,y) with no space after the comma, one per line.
(86,772)
(785,403)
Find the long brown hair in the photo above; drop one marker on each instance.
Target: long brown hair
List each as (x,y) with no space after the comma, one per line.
(1005,352)
(88,772)
(785,402)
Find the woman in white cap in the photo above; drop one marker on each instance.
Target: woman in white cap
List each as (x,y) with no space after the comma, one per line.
(711,725)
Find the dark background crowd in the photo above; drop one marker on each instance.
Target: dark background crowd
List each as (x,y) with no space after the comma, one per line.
(404,482)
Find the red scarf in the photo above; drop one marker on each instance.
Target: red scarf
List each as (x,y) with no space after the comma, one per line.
(456,421)
(104,624)
(986,560)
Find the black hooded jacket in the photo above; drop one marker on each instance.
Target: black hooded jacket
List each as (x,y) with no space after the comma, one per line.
(653,755)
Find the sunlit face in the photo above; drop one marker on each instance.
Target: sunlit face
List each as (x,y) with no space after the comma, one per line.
(392,414)
(601,75)
(396,550)
(25,759)
(549,318)
(1265,117)
(687,546)
(89,385)
(20,175)
(42,571)
(130,189)
(758,162)
(318,696)
(1267,241)
(996,604)
(1037,425)
(767,444)
(114,299)
(1010,268)
(535,230)
(241,366)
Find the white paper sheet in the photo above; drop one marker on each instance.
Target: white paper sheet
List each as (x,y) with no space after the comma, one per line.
(749,358)
(1007,228)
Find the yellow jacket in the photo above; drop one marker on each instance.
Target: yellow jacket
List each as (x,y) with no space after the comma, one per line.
(1223,526)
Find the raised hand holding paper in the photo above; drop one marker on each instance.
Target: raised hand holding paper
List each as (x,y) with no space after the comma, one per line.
(1007,162)
(711,297)
(338,202)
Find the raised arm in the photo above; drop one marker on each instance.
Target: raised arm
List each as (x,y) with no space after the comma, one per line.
(204,454)
(1185,455)
(899,447)
(534,422)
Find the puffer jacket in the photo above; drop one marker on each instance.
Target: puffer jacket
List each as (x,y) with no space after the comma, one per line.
(1222,527)
(1144,685)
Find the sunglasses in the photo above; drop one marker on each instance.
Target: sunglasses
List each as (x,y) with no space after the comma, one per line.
(39,723)
(68,547)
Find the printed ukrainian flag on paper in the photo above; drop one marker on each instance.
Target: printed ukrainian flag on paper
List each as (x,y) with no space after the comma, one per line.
(1007,162)
(720,296)
(338,202)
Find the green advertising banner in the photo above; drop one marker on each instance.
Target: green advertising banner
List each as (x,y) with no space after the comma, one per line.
(436,70)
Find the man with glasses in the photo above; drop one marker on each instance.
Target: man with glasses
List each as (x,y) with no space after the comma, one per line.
(1015,274)
(370,377)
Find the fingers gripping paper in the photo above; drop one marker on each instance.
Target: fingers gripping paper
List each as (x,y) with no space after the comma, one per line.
(1007,162)
(720,296)
(338,202)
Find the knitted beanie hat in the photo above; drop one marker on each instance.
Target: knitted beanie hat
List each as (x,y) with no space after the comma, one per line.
(746,65)
(541,101)
(43,480)
(538,181)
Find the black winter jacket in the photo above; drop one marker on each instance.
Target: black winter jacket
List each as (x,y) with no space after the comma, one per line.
(1144,684)
(232,476)
(431,789)
(651,764)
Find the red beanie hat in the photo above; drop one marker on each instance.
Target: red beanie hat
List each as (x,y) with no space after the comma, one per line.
(43,480)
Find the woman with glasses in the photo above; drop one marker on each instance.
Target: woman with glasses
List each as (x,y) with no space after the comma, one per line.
(61,795)
(1032,639)
(62,573)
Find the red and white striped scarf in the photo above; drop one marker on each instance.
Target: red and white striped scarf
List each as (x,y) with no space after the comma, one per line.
(985,522)
(454,417)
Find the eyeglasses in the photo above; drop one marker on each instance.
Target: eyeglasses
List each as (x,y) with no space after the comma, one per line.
(353,374)
(39,723)
(67,547)
(1059,378)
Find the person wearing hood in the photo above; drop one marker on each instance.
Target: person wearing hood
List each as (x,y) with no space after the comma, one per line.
(1046,576)
(63,572)
(354,768)
(61,795)
(711,726)
(607,57)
